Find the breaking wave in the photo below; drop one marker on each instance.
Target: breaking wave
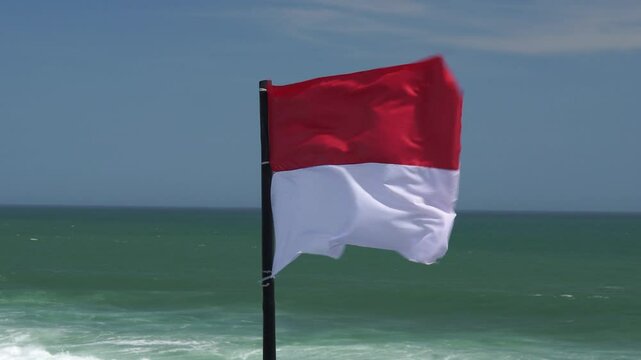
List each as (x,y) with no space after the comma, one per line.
(15,352)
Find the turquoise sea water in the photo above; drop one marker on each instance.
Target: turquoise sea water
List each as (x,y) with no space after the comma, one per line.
(101,283)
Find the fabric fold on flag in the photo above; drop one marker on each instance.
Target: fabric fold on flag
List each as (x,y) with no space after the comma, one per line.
(368,159)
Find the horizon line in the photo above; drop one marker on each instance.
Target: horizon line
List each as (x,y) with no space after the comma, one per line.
(258,208)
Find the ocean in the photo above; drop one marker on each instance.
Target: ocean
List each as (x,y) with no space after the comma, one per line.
(135,283)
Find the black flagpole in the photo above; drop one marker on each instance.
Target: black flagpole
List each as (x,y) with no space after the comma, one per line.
(269,308)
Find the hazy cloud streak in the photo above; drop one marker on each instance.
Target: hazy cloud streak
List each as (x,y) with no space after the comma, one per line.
(542,27)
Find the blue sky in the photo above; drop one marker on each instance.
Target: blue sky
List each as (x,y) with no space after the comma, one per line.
(154,103)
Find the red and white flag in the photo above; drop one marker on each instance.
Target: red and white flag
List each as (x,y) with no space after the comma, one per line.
(368,159)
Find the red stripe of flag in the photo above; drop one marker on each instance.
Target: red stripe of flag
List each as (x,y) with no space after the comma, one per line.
(408,114)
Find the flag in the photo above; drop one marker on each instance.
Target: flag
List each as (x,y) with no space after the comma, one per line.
(368,159)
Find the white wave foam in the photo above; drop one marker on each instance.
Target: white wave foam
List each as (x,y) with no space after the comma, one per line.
(599,297)
(36,353)
(150,342)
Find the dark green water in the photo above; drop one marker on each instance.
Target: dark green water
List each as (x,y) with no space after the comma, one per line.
(88,283)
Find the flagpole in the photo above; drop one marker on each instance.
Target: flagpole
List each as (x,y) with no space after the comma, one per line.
(267,282)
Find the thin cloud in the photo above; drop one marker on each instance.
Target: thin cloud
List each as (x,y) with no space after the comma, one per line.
(397,7)
(542,27)
(332,21)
